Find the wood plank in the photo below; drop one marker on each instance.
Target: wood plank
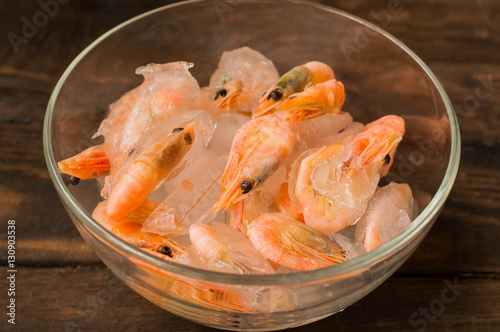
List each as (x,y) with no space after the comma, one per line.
(73,298)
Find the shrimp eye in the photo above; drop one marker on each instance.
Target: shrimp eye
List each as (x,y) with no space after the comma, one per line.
(221,93)
(176,130)
(275,95)
(188,139)
(387,159)
(74,180)
(166,251)
(246,186)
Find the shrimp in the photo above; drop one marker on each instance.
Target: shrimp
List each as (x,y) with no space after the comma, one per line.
(88,164)
(314,101)
(148,170)
(296,80)
(240,80)
(129,229)
(334,184)
(168,90)
(288,242)
(259,147)
(389,211)
(224,249)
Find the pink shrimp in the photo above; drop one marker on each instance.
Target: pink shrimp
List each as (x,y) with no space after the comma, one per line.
(335,183)
(296,80)
(314,101)
(148,170)
(259,147)
(284,203)
(129,229)
(224,249)
(288,242)
(88,164)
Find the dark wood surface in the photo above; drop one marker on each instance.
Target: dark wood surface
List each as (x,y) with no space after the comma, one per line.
(60,278)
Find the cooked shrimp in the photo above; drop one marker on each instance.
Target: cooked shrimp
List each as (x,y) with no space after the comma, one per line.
(314,101)
(168,90)
(240,80)
(286,241)
(296,80)
(88,164)
(129,229)
(148,170)
(258,149)
(334,184)
(224,249)
(389,211)
(248,209)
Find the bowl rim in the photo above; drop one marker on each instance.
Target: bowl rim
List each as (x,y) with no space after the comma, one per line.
(348,267)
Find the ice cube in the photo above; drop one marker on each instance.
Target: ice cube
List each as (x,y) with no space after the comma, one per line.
(349,248)
(311,130)
(389,211)
(353,129)
(190,202)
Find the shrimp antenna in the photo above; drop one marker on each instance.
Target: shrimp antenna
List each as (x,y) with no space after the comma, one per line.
(199,199)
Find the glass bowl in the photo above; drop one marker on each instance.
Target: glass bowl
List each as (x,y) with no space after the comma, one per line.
(381,75)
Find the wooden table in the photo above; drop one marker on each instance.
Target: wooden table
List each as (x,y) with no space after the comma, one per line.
(60,281)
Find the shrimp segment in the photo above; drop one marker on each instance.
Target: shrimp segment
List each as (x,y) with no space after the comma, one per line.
(286,241)
(258,149)
(335,183)
(284,203)
(296,80)
(314,101)
(88,164)
(224,249)
(147,171)
(129,229)
(247,210)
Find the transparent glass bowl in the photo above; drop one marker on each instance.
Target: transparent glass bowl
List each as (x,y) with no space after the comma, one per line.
(381,76)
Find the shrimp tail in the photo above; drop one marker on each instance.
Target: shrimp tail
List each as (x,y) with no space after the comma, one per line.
(88,164)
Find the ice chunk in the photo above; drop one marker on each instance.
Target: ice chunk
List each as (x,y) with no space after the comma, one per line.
(311,130)
(225,128)
(190,202)
(242,77)
(389,211)
(221,248)
(203,102)
(349,248)
(353,129)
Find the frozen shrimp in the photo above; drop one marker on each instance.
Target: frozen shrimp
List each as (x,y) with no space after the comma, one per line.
(240,80)
(334,184)
(314,101)
(288,242)
(389,211)
(129,229)
(296,80)
(259,147)
(148,170)
(168,90)
(88,164)
(224,249)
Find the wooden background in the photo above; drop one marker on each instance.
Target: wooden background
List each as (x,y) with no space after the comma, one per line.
(60,281)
